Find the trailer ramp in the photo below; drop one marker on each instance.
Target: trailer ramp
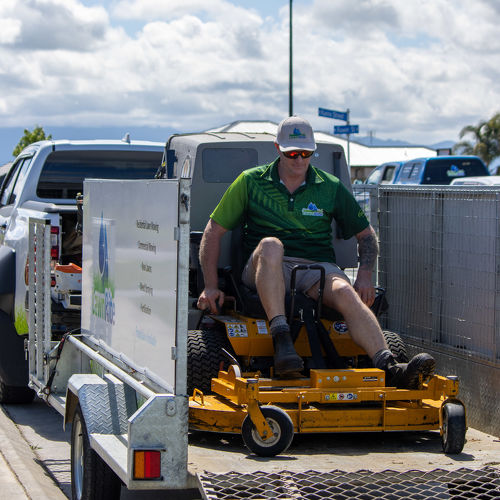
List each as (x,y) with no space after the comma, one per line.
(456,484)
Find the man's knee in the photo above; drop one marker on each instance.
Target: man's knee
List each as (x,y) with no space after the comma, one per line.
(270,249)
(343,295)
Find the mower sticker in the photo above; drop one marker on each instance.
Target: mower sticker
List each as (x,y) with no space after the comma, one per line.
(340,327)
(261,327)
(341,396)
(237,329)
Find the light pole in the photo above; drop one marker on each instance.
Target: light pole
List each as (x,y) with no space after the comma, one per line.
(290,76)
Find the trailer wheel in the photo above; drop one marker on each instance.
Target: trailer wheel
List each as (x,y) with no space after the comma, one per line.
(397,346)
(282,427)
(91,477)
(204,356)
(454,428)
(16,395)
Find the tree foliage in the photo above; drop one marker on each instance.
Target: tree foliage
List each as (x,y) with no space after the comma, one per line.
(485,141)
(37,134)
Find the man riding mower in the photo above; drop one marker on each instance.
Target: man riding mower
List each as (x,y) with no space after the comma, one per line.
(286,209)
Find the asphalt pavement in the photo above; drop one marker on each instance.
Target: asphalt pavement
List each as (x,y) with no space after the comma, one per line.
(21,474)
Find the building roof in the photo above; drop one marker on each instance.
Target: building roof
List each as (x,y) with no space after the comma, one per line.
(360,154)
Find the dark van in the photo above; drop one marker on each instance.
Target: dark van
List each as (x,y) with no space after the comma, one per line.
(440,169)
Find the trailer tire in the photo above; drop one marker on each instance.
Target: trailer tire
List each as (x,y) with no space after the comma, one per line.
(204,356)
(282,427)
(15,395)
(91,477)
(396,345)
(454,428)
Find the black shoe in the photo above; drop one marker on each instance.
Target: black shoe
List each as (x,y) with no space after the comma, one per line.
(286,360)
(407,375)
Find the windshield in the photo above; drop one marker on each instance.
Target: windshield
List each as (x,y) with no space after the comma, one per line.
(443,171)
(64,171)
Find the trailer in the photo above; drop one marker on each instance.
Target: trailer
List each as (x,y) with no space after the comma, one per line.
(122,378)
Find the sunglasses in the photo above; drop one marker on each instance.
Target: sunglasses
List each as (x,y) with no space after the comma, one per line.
(296,154)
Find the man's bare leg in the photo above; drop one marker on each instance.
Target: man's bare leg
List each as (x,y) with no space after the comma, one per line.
(366,332)
(363,325)
(267,261)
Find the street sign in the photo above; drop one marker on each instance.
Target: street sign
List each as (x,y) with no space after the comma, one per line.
(330,113)
(346,129)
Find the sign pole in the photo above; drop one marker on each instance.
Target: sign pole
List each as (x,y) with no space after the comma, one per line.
(290,76)
(348,145)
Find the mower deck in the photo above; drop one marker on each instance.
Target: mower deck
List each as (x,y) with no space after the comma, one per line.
(351,400)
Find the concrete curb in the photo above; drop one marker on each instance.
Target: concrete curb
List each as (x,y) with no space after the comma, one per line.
(22,463)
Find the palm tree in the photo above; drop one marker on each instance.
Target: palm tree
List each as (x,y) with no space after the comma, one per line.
(486,137)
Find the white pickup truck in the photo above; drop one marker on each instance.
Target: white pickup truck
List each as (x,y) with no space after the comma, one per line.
(43,183)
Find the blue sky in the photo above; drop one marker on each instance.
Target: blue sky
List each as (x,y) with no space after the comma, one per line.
(416,71)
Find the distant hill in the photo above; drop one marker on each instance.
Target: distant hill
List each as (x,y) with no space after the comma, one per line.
(375,141)
(443,144)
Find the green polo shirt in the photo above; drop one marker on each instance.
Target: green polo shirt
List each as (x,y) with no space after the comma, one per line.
(259,201)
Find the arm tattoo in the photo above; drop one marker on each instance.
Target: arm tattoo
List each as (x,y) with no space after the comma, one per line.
(368,251)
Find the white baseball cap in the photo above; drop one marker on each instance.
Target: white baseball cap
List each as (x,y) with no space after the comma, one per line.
(295,133)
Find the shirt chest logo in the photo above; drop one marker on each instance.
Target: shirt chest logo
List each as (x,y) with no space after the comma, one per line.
(312,210)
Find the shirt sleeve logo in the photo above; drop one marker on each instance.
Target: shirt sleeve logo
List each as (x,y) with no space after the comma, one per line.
(312,210)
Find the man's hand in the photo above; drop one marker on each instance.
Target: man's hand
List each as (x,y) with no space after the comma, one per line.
(363,285)
(211,298)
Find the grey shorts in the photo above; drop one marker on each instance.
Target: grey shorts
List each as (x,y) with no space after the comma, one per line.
(304,280)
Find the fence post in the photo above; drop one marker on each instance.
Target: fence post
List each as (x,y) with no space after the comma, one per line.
(437,265)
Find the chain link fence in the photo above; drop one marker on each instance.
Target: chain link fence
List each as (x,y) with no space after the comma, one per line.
(440,264)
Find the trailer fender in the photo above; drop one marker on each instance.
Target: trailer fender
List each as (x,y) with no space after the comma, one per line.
(106,403)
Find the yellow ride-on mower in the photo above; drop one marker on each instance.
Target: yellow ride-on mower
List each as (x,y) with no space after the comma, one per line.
(230,377)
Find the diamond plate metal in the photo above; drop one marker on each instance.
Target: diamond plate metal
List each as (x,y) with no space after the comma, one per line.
(103,402)
(364,484)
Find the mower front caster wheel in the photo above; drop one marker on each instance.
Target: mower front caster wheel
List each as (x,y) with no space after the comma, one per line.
(282,427)
(454,428)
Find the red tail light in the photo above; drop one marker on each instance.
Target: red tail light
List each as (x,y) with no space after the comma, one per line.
(147,464)
(54,242)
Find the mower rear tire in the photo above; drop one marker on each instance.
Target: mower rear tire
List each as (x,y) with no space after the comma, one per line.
(397,346)
(282,427)
(204,357)
(454,428)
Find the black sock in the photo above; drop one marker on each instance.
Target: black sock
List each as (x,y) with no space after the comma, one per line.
(279,324)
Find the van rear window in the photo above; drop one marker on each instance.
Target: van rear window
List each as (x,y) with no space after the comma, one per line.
(443,171)
(225,164)
(64,171)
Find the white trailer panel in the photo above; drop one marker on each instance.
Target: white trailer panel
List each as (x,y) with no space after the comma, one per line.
(130,271)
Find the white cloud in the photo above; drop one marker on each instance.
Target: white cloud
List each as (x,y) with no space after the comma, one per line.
(54,24)
(10,30)
(415,70)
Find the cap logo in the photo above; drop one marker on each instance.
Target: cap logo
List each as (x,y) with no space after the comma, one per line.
(297,134)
